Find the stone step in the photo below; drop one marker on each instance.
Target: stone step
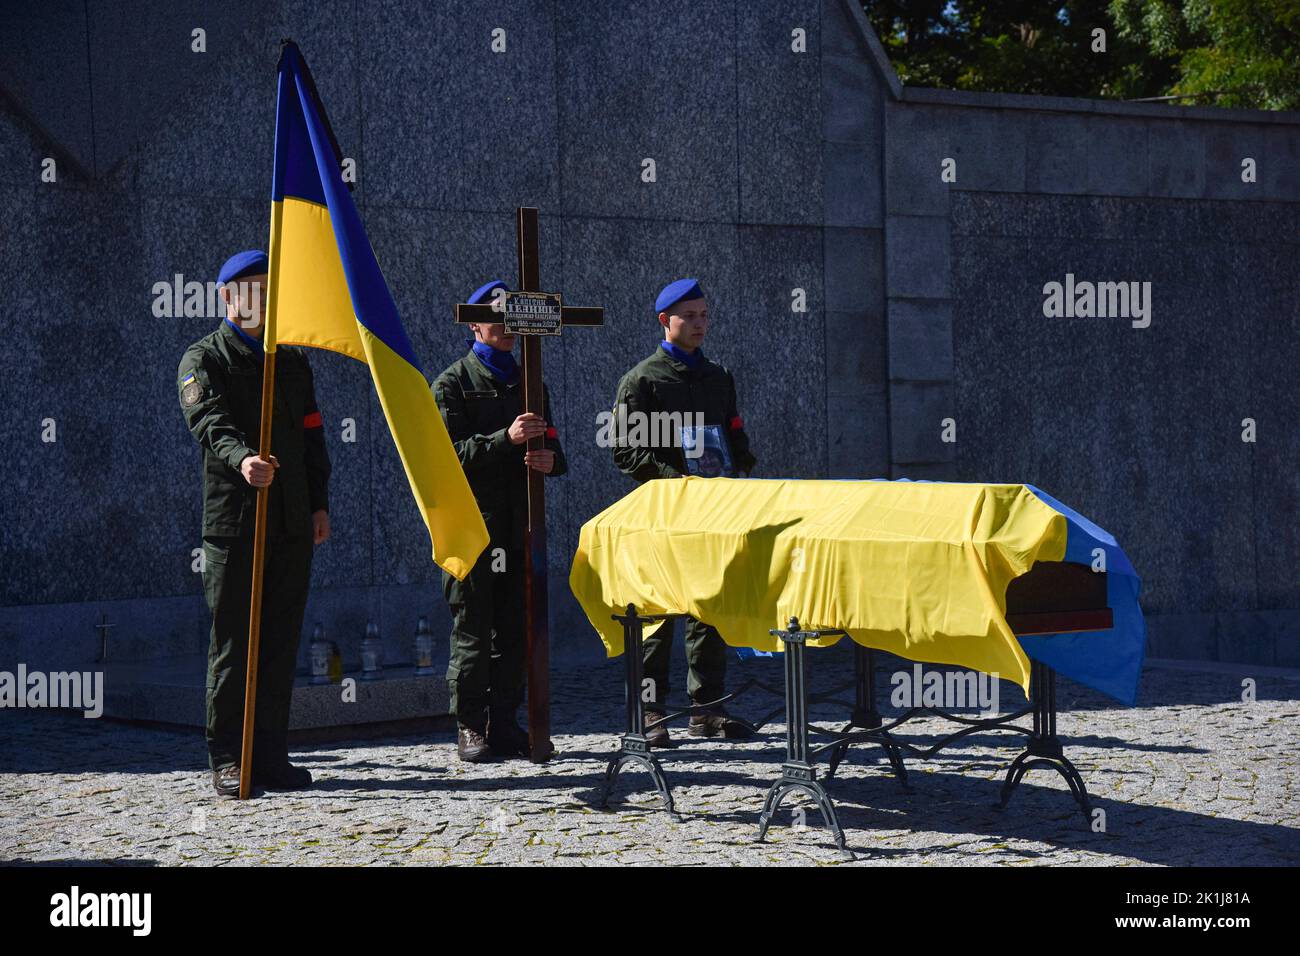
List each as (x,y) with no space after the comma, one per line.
(172,691)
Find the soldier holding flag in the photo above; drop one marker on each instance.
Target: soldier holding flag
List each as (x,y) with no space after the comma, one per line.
(220,386)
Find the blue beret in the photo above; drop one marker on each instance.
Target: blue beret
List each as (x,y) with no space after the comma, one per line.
(675,292)
(484,292)
(250,263)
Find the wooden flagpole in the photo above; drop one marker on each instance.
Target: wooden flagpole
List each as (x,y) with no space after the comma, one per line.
(263,500)
(259,560)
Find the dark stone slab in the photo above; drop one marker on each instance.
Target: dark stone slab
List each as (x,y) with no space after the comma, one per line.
(856,351)
(1117,158)
(853,186)
(1056,157)
(205,145)
(626,98)
(45,69)
(1101,423)
(850,102)
(857,435)
(1282,153)
(989,149)
(63,636)
(1183,636)
(23,149)
(918,256)
(779,158)
(1249,638)
(1225,149)
(1265,290)
(1175,159)
(917,411)
(984,214)
(142,63)
(916,144)
(765,28)
(172,692)
(784,375)
(920,339)
(450,124)
(854,269)
(1286,651)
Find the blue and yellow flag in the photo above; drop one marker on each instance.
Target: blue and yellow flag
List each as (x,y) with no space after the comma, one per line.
(326,291)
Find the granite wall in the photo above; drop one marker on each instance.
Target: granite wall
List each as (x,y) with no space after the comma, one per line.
(777,169)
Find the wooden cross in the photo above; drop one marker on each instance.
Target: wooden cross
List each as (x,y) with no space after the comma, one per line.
(531,313)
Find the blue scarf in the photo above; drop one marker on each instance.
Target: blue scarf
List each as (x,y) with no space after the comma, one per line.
(689,359)
(252,343)
(499,363)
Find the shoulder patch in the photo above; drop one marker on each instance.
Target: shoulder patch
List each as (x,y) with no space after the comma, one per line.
(191,390)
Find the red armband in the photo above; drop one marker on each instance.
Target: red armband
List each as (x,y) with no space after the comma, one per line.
(312,420)
(551,432)
(736,424)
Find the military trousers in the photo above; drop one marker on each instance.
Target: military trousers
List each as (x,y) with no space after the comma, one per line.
(706,662)
(489,646)
(227,584)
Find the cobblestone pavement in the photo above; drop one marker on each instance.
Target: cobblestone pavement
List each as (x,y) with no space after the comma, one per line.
(1194,776)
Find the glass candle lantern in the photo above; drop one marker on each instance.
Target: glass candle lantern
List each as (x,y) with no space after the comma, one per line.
(320,655)
(372,653)
(423,647)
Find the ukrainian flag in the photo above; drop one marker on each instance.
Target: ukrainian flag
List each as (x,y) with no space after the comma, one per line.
(326,291)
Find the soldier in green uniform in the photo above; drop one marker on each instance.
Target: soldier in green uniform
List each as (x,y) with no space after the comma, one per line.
(481,400)
(678,378)
(220,386)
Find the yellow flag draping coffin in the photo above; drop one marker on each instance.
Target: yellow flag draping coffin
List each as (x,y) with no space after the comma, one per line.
(327,291)
(916,568)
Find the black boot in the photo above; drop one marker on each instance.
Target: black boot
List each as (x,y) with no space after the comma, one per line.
(505,737)
(282,776)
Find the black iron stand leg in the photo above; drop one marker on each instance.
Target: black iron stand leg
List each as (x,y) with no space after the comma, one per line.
(866,716)
(1044,749)
(634,749)
(797,773)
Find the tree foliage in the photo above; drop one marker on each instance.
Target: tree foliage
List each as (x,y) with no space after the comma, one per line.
(1248,48)
(1235,52)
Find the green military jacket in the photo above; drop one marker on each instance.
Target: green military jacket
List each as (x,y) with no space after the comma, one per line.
(478,409)
(219,382)
(661,383)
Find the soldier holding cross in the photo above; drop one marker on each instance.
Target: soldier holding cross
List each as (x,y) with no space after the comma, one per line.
(480,399)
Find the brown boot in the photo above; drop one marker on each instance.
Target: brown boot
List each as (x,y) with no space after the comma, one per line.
(472,746)
(718,723)
(225,780)
(657,736)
